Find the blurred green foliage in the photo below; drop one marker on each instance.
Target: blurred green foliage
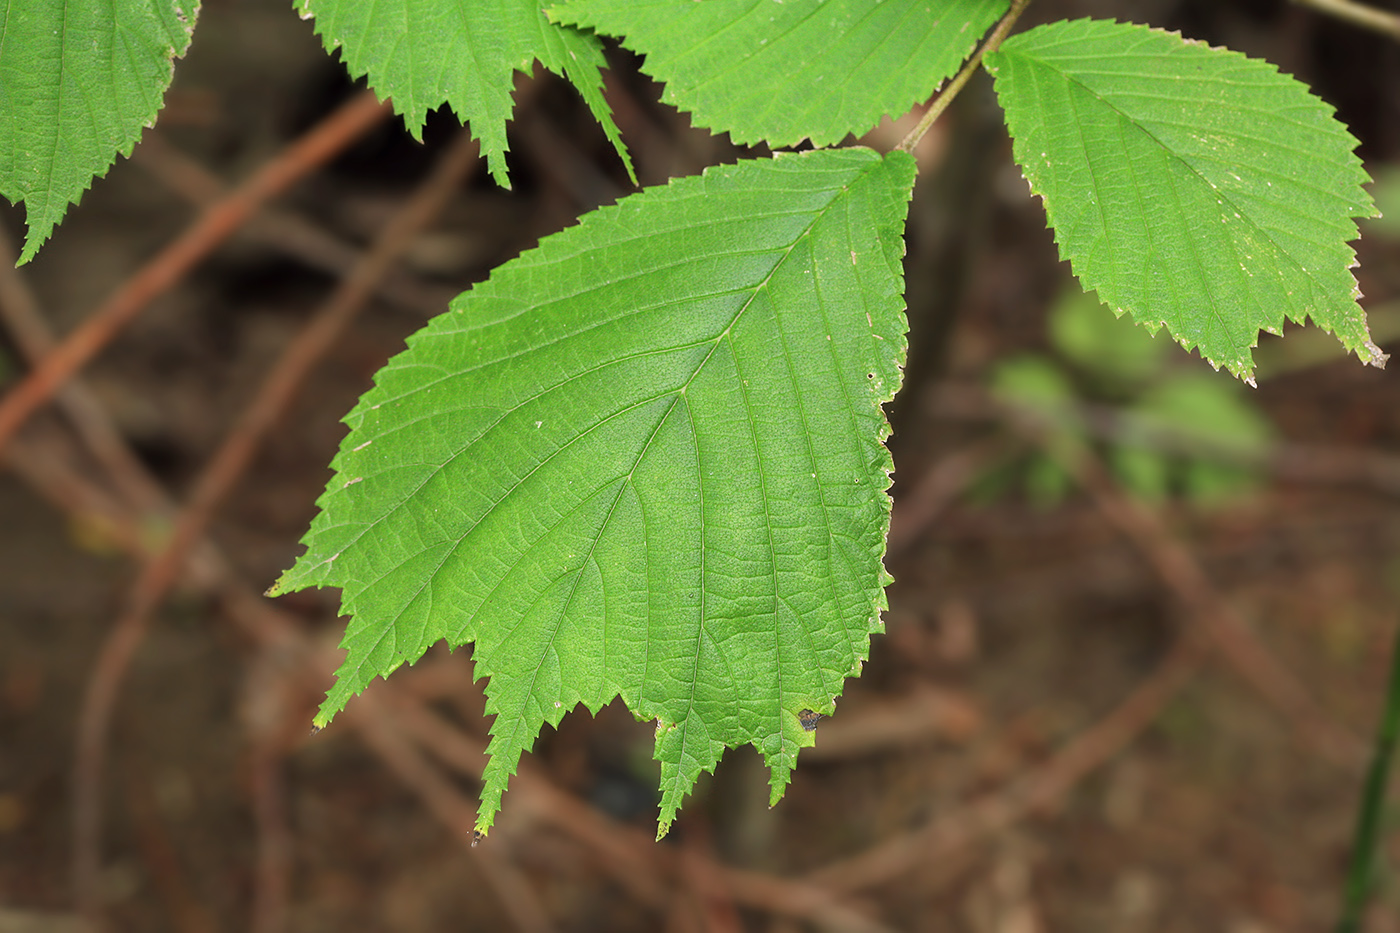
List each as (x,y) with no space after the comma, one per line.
(1386,192)
(1166,432)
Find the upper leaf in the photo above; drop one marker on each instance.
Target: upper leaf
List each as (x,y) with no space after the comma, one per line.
(765,71)
(1190,186)
(643,460)
(426,53)
(78,83)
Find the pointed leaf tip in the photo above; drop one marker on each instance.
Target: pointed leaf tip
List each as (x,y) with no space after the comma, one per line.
(79,83)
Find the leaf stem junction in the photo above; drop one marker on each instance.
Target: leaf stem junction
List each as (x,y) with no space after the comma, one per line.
(956,85)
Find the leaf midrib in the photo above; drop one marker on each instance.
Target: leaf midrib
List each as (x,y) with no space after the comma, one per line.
(1225,194)
(837,194)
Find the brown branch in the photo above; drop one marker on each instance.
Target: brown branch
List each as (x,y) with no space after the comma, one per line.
(995,811)
(275,632)
(208,230)
(223,471)
(1358,14)
(994,41)
(377,728)
(35,460)
(42,460)
(628,854)
(1175,565)
(1230,635)
(615,849)
(28,326)
(924,714)
(1301,463)
(269,627)
(802,898)
(286,231)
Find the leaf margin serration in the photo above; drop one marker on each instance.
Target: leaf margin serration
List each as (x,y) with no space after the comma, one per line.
(318,570)
(1029,124)
(167,32)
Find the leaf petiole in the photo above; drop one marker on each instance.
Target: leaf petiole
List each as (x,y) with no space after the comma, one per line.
(993,42)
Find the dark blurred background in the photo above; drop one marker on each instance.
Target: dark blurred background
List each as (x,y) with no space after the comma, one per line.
(1129,674)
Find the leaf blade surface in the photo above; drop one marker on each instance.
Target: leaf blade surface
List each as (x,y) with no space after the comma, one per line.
(781,73)
(643,460)
(426,53)
(1190,186)
(78,84)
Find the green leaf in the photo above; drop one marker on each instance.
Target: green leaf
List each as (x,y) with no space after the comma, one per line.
(1190,186)
(643,460)
(426,53)
(78,83)
(778,73)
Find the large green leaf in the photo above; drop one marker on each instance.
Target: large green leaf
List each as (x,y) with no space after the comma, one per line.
(643,460)
(426,53)
(1190,186)
(78,83)
(780,73)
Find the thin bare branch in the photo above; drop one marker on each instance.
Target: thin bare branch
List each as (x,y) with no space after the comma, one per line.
(218,478)
(517,900)
(209,229)
(29,327)
(994,41)
(994,812)
(1358,14)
